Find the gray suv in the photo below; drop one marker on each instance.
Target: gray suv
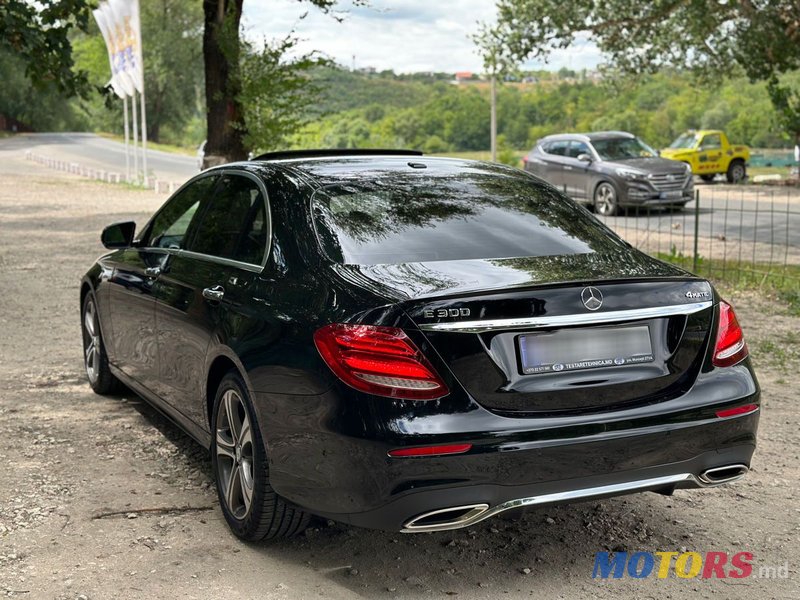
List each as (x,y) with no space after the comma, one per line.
(610,170)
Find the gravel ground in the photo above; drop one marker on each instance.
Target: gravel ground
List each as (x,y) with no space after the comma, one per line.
(100,497)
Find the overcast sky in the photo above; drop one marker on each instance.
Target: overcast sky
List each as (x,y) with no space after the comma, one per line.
(404,35)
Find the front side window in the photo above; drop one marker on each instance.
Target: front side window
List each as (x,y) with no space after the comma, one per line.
(171,224)
(236,223)
(577,148)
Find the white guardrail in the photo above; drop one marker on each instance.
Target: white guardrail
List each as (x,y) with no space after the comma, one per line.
(160,186)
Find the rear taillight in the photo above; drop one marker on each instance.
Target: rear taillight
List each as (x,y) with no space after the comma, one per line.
(378,360)
(730,347)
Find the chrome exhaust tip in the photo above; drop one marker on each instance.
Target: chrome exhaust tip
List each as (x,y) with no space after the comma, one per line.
(720,475)
(445,519)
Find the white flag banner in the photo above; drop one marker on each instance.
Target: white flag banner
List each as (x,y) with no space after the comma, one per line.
(119,66)
(116,85)
(128,32)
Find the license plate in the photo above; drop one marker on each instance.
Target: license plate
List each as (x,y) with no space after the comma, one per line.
(578,349)
(672,194)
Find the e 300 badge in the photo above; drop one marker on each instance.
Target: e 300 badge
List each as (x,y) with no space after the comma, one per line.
(442,313)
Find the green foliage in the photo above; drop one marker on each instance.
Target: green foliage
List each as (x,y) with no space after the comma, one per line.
(38,34)
(171,44)
(714,38)
(454,118)
(277,93)
(40,107)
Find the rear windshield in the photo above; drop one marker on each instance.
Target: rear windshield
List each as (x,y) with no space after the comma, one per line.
(456,217)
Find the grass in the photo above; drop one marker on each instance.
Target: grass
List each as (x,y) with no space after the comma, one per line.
(782,281)
(782,171)
(782,348)
(171,148)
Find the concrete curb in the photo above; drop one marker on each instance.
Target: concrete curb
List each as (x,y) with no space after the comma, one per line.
(159,186)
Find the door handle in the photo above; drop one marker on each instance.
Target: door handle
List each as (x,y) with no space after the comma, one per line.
(152,271)
(215,293)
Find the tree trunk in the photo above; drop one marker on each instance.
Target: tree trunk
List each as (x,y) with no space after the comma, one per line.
(221,57)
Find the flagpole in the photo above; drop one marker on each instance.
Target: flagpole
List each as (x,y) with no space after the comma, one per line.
(127,135)
(144,137)
(141,84)
(135,135)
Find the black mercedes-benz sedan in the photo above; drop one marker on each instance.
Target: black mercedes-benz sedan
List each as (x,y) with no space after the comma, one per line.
(414,344)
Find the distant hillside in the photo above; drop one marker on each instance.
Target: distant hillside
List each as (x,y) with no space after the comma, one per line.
(432,114)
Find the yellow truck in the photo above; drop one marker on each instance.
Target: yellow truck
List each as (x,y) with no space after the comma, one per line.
(709,153)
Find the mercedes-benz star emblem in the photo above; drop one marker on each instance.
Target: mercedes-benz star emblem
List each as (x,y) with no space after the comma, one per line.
(592,298)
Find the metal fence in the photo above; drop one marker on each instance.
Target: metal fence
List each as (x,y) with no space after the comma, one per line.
(742,234)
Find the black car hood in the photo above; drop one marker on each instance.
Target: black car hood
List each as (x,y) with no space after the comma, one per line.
(401,282)
(648,165)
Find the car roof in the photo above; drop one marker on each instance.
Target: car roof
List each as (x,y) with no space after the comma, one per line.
(322,168)
(588,137)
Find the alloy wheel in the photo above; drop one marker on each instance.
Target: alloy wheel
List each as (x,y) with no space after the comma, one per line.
(91,342)
(234,447)
(605,199)
(737,172)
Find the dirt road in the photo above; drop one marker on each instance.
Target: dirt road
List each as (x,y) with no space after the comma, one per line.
(102,498)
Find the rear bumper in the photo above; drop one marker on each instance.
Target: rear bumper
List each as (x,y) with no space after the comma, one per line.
(327,457)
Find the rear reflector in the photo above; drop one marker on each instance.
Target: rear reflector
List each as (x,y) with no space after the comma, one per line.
(431,450)
(730,347)
(378,360)
(738,411)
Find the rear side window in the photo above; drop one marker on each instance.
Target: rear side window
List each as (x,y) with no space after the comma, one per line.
(236,223)
(559,148)
(470,215)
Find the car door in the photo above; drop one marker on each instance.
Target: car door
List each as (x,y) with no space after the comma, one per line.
(202,290)
(134,346)
(576,172)
(553,155)
(709,156)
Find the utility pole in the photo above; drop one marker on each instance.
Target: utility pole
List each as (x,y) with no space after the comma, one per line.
(493,126)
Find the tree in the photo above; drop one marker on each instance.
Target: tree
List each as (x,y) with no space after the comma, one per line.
(708,36)
(277,94)
(171,42)
(222,53)
(38,33)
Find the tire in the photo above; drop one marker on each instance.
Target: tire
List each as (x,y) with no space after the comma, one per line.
(251,507)
(709,177)
(736,172)
(95,359)
(605,200)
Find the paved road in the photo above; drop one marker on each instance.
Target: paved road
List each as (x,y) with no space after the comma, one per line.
(736,216)
(752,215)
(98,152)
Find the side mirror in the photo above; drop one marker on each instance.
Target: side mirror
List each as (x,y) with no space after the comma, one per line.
(583,157)
(118,235)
